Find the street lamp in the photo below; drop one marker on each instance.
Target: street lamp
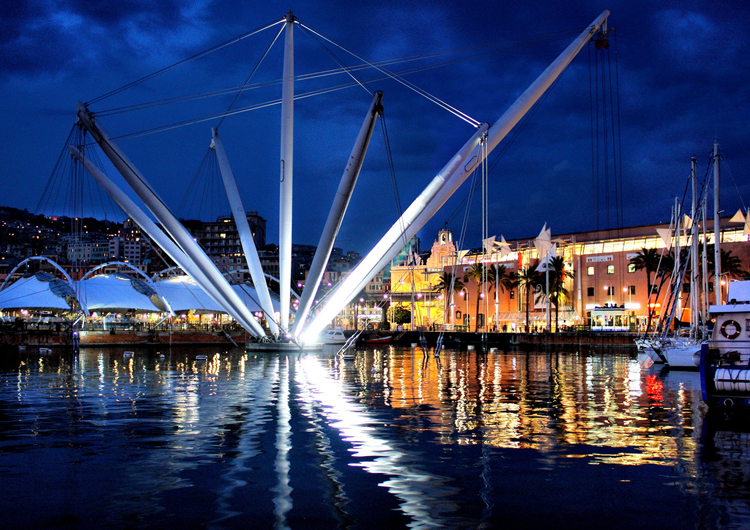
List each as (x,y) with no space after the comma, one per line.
(467,319)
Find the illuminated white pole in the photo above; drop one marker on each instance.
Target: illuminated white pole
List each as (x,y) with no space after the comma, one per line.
(170,223)
(445,184)
(157,235)
(287,163)
(243,229)
(336,215)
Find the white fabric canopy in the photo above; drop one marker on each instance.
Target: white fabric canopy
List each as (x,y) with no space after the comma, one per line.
(32,293)
(183,294)
(115,292)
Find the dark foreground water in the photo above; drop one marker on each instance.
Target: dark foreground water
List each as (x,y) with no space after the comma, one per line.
(506,440)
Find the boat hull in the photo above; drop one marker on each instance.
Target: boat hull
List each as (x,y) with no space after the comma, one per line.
(724,383)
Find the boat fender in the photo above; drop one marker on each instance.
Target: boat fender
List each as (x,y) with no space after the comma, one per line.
(734,329)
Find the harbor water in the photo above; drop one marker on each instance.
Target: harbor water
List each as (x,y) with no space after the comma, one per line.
(199,438)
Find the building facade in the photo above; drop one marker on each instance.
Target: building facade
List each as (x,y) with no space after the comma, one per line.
(605,290)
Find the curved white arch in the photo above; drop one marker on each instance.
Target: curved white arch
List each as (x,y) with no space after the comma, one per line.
(40,258)
(55,265)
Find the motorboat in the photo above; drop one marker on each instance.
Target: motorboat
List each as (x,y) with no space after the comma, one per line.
(333,336)
(375,339)
(725,360)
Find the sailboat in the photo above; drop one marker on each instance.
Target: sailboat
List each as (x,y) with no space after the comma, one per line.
(683,351)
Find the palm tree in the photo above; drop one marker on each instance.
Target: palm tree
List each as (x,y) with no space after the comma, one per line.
(647,259)
(497,276)
(529,280)
(557,276)
(443,285)
(479,274)
(731,265)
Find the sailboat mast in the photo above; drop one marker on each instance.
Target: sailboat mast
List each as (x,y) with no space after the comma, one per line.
(717,228)
(694,255)
(287,162)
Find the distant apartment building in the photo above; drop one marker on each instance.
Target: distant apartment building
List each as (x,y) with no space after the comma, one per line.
(87,249)
(130,245)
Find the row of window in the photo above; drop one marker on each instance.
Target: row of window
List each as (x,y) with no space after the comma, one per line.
(611,290)
(610,269)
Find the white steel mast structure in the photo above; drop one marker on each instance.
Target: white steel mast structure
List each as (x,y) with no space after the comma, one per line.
(199,266)
(246,235)
(336,214)
(445,184)
(286,178)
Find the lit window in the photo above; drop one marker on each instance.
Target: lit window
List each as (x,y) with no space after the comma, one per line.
(590,270)
(610,269)
(631,267)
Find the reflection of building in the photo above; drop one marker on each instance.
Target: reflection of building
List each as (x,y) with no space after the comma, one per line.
(527,400)
(606,291)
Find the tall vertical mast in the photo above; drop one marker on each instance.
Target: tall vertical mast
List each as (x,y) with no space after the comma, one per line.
(694,310)
(717,228)
(287,162)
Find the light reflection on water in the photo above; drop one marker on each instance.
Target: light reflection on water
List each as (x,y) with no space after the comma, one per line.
(394,438)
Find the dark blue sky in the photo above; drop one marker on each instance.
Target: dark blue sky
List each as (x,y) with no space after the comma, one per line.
(682,69)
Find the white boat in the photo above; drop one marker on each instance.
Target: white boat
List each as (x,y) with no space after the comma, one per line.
(333,336)
(725,362)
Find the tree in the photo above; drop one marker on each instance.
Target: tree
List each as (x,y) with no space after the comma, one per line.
(557,276)
(443,285)
(479,274)
(401,315)
(647,259)
(731,265)
(530,281)
(497,276)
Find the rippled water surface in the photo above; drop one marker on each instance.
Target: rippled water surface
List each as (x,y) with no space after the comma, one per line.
(391,439)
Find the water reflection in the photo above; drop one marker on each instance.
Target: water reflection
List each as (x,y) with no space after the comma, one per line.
(396,437)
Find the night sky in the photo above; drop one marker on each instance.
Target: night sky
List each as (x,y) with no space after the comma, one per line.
(674,78)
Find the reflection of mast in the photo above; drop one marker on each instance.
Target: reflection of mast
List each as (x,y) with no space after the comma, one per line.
(421,493)
(282,500)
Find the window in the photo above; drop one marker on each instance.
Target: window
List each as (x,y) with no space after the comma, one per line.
(611,290)
(631,289)
(610,269)
(590,291)
(685,287)
(631,267)
(590,270)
